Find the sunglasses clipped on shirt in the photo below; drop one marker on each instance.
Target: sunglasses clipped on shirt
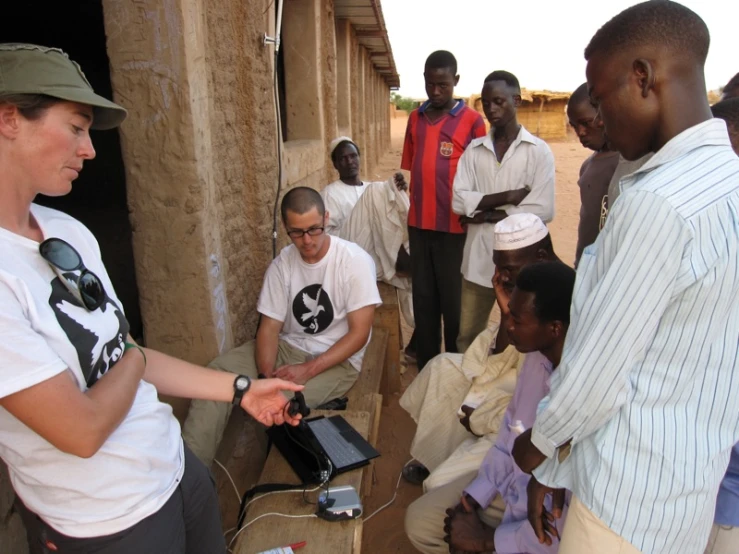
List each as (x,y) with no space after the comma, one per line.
(88,288)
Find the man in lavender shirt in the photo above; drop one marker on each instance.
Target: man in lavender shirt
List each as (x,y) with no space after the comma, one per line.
(725,533)
(488,511)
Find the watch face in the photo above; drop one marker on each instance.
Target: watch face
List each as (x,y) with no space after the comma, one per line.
(241,383)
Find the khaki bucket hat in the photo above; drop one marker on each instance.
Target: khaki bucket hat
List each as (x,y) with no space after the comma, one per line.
(33,69)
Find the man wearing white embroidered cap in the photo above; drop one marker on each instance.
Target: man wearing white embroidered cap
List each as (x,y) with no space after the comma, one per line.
(373,216)
(459,400)
(342,195)
(485,509)
(507,171)
(518,231)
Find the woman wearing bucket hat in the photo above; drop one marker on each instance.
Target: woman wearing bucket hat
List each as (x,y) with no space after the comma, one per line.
(96,460)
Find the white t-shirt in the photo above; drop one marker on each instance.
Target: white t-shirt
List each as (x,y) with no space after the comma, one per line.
(340,199)
(313,300)
(528,161)
(44,331)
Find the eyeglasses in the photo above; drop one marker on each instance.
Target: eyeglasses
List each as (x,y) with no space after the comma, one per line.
(62,256)
(298,233)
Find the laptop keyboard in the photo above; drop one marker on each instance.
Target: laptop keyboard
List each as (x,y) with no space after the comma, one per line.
(341,452)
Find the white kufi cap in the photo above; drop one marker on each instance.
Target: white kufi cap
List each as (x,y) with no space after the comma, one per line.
(336,142)
(519,231)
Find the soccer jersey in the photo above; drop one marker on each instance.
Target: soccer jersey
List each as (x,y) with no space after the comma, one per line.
(431,152)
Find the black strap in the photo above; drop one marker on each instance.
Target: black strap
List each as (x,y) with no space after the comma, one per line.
(262,489)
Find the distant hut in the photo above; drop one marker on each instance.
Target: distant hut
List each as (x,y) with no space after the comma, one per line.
(542,112)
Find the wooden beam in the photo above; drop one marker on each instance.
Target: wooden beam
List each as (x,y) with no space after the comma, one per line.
(367,33)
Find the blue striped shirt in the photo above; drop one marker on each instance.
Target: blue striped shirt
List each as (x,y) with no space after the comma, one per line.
(647,385)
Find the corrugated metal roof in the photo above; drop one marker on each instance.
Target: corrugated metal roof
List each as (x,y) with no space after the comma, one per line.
(368,22)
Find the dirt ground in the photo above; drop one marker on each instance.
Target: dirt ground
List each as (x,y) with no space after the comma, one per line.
(384,533)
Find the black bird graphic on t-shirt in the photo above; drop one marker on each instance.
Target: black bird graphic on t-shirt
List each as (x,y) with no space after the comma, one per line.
(107,326)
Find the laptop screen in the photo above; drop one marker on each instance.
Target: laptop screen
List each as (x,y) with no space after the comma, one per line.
(342,443)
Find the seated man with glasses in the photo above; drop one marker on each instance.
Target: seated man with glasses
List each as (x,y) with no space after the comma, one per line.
(317,306)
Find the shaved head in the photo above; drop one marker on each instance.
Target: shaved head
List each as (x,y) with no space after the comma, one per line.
(301,200)
(653,23)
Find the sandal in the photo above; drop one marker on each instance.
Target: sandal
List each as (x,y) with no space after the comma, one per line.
(415,473)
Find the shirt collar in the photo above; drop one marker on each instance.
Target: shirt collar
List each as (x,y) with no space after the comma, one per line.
(454,111)
(709,133)
(537,358)
(522,136)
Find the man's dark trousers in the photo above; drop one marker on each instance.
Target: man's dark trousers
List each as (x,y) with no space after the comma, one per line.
(436,263)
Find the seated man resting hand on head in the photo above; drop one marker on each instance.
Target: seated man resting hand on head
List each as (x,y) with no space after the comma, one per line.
(486,510)
(458,402)
(317,305)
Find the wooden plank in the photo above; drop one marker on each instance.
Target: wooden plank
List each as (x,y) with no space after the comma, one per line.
(357,537)
(387,316)
(361,395)
(343,537)
(369,473)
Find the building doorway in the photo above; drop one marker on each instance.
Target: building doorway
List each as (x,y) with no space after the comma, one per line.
(98,197)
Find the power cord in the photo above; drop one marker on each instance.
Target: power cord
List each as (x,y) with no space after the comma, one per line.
(236,489)
(395,495)
(266,515)
(270,488)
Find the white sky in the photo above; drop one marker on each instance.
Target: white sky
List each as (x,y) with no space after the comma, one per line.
(540,42)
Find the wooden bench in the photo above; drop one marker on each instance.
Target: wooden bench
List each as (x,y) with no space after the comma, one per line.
(387,317)
(322,536)
(364,396)
(363,413)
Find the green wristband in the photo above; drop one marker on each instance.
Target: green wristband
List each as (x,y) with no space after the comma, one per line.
(130,345)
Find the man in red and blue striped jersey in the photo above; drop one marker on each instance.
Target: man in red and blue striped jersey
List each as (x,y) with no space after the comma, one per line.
(437,134)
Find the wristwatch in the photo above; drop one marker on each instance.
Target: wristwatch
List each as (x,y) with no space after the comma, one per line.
(241,385)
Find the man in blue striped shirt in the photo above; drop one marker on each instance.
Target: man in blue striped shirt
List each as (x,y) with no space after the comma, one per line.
(725,532)
(643,411)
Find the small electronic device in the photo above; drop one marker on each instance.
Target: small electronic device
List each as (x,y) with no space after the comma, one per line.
(298,406)
(339,504)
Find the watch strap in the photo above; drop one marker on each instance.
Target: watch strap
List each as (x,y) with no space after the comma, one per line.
(239,392)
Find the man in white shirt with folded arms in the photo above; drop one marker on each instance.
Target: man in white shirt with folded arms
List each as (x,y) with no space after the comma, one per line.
(507,171)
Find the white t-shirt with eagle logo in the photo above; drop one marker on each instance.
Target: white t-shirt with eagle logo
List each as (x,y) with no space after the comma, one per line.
(313,300)
(44,331)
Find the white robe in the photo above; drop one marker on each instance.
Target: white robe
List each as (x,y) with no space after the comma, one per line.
(377,223)
(476,378)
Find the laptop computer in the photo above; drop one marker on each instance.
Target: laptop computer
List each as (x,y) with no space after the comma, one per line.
(307,446)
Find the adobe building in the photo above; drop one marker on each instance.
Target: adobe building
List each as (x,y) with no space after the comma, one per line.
(182,198)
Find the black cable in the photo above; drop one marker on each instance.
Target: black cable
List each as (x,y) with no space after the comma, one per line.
(273,487)
(259,489)
(279,146)
(328,470)
(310,450)
(305,499)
